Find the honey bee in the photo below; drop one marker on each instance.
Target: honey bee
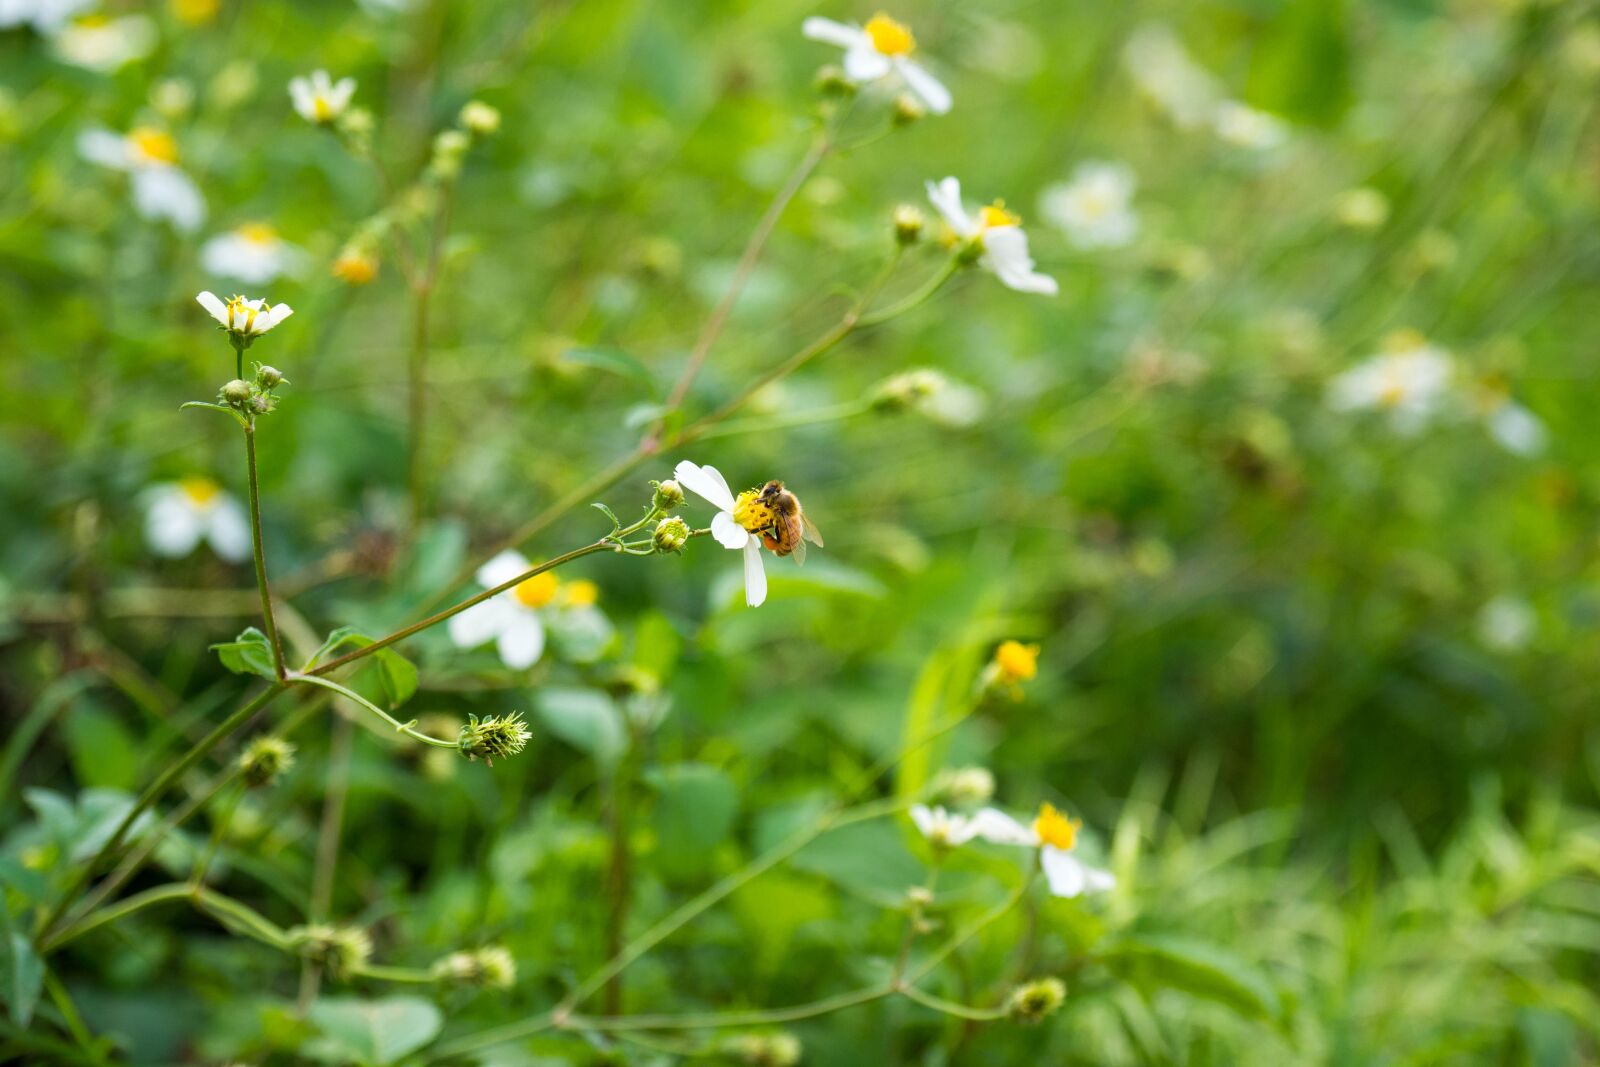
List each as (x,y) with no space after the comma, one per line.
(791,528)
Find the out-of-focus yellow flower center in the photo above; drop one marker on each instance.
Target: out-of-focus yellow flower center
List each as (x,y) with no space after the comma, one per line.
(257,233)
(92,22)
(321,108)
(199,490)
(1055,829)
(581,593)
(355,268)
(1392,395)
(1016,661)
(195,12)
(155,146)
(995,214)
(890,37)
(751,513)
(1093,203)
(537,591)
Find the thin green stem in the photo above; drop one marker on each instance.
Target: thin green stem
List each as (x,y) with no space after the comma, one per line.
(416,399)
(121,910)
(203,861)
(767,423)
(73,1019)
(916,298)
(260,553)
(717,1020)
(384,973)
(327,857)
(400,727)
(950,1007)
(973,929)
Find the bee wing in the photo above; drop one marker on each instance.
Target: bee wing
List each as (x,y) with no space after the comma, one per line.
(799,553)
(810,530)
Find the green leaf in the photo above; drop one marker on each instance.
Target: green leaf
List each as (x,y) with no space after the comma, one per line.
(102,750)
(377,1031)
(389,679)
(21,975)
(1197,968)
(614,360)
(615,525)
(695,808)
(586,719)
(249,653)
(1300,68)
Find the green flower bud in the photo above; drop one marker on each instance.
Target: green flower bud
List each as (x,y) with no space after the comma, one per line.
(831,80)
(237,393)
(494,737)
(1035,1001)
(448,149)
(268,377)
(908,224)
(763,1050)
(489,968)
(964,786)
(668,495)
(264,760)
(908,109)
(340,950)
(480,118)
(670,535)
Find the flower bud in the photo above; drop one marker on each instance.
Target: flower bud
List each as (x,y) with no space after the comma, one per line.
(237,392)
(264,760)
(964,786)
(908,224)
(480,118)
(1035,1001)
(907,110)
(493,737)
(762,1050)
(919,896)
(448,149)
(491,968)
(670,535)
(669,495)
(337,949)
(907,390)
(831,80)
(354,266)
(268,377)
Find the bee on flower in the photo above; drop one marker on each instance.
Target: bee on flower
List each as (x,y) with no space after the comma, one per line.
(880,49)
(1051,832)
(149,156)
(319,99)
(252,253)
(996,235)
(1095,207)
(104,43)
(243,318)
(519,619)
(179,515)
(1410,380)
(770,516)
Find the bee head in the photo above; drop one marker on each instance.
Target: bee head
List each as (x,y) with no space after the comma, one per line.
(770,491)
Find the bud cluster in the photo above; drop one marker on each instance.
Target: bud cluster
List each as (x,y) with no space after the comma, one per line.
(339,950)
(253,397)
(488,968)
(493,737)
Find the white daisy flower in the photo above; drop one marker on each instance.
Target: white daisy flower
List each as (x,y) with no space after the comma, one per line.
(45,16)
(1095,207)
(736,525)
(1054,835)
(877,50)
(511,620)
(179,515)
(1175,83)
(1410,380)
(319,98)
(252,253)
(942,828)
(998,232)
(1513,427)
(1245,127)
(240,315)
(104,44)
(149,157)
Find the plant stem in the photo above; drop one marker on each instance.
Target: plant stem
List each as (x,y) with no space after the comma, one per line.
(950,1007)
(260,553)
(416,398)
(327,858)
(203,861)
(617,870)
(406,728)
(716,1020)
(916,298)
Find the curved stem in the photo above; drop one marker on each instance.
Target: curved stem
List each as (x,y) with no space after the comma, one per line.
(716,1020)
(260,554)
(916,298)
(766,423)
(950,1007)
(400,727)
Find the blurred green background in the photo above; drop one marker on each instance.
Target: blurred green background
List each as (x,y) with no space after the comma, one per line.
(1319,685)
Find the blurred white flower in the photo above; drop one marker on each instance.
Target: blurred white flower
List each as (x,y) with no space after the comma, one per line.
(878,49)
(45,16)
(1361,208)
(942,828)
(150,159)
(1245,127)
(1176,84)
(1410,380)
(240,315)
(103,43)
(512,619)
(252,253)
(998,232)
(1054,835)
(319,98)
(1507,624)
(709,484)
(1095,207)
(1514,427)
(931,394)
(178,515)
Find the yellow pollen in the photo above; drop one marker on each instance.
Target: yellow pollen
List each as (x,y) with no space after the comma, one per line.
(889,37)
(156,146)
(321,108)
(537,591)
(749,512)
(1016,661)
(257,233)
(1056,829)
(581,593)
(355,268)
(200,490)
(995,214)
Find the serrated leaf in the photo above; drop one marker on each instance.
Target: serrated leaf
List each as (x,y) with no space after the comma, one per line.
(249,653)
(377,1031)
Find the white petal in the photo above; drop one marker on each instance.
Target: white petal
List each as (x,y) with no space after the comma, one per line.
(1062,870)
(946,198)
(522,641)
(305,104)
(105,148)
(502,568)
(228,530)
(1099,881)
(925,85)
(924,817)
(705,482)
(480,623)
(343,90)
(321,82)
(992,824)
(755,576)
(167,193)
(214,306)
(171,526)
(729,534)
(278,313)
(1006,253)
(836,33)
(1517,429)
(866,63)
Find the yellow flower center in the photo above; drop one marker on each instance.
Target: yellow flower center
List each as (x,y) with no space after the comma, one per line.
(355,268)
(1392,395)
(751,513)
(537,591)
(581,593)
(241,316)
(995,214)
(321,108)
(1055,829)
(155,146)
(1016,661)
(195,12)
(890,37)
(257,233)
(199,490)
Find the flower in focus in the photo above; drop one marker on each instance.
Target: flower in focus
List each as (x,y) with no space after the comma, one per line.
(179,515)
(149,157)
(252,253)
(494,737)
(1054,834)
(1175,83)
(877,50)
(1094,207)
(102,43)
(354,266)
(736,523)
(997,233)
(1245,127)
(513,620)
(1016,662)
(319,98)
(45,16)
(1410,380)
(243,318)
